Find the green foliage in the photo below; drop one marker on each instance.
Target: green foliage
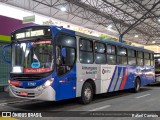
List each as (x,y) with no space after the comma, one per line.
(114,39)
(127,42)
(108,37)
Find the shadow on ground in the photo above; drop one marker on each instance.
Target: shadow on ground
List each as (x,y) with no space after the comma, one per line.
(157,84)
(70,103)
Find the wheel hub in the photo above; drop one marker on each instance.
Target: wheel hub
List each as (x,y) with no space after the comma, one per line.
(87,93)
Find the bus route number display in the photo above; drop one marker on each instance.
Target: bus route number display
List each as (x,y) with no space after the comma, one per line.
(30,34)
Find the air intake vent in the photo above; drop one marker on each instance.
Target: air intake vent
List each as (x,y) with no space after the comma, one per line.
(26,78)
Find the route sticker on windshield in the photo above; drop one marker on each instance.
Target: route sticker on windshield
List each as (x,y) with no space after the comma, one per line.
(35,65)
(42,42)
(36,70)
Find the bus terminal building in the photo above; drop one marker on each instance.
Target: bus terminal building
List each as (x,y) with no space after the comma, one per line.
(59,56)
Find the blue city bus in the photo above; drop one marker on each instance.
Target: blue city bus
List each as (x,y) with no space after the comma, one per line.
(52,63)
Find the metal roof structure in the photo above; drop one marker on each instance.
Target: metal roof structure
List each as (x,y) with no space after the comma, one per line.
(127,17)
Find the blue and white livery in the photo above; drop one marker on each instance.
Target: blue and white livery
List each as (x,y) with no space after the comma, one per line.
(53,63)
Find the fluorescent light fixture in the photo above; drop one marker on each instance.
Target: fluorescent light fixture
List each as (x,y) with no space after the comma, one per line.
(63,9)
(109,26)
(153,41)
(136,36)
(159,20)
(18,13)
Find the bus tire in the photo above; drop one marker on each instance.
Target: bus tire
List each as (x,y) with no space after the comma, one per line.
(137,85)
(86,93)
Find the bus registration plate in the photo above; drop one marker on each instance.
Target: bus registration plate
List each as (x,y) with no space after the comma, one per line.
(24,93)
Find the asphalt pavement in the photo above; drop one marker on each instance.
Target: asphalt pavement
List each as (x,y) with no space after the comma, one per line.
(148,99)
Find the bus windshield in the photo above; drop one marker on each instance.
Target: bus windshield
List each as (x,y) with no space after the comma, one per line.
(32,57)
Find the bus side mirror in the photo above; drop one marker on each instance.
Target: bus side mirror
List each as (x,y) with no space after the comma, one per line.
(4,53)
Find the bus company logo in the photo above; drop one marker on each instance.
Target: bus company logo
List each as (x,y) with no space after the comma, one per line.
(105,71)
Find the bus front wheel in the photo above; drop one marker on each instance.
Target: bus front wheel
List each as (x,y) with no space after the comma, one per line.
(86,94)
(137,85)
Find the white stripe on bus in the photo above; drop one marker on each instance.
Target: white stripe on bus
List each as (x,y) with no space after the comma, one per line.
(119,80)
(114,80)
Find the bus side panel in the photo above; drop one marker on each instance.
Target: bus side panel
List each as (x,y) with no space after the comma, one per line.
(123,78)
(130,73)
(66,85)
(107,73)
(86,72)
(116,79)
(146,76)
(150,75)
(133,72)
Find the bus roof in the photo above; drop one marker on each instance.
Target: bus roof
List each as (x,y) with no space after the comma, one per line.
(126,45)
(113,42)
(92,37)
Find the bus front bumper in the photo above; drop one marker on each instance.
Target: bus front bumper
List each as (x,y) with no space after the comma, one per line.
(47,94)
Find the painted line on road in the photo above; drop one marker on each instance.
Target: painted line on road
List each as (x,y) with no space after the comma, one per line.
(100,108)
(3,104)
(96,109)
(143,96)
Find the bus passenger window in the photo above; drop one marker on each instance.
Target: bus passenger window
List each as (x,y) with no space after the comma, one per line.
(111,57)
(140,58)
(86,45)
(86,51)
(140,61)
(122,60)
(86,57)
(100,56)
(121,55)
(111,49)
(121,51)
(147,59)
(68,56)
(147,62)
(65,54)
(131,57)
(152,59)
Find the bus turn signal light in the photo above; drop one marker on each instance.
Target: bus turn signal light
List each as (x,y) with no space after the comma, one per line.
(14,83)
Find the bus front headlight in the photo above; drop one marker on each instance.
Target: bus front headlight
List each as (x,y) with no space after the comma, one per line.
(47,83)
